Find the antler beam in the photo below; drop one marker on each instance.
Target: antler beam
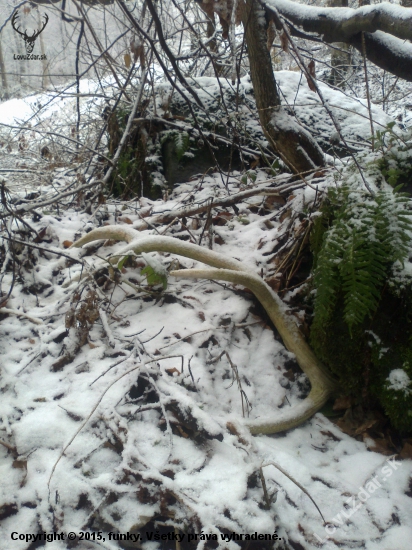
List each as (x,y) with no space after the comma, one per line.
(235,272)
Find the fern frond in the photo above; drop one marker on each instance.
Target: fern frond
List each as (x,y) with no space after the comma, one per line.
(181,140)
(326,277)
(368,235)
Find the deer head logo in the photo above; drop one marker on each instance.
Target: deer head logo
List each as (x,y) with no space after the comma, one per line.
(29,40)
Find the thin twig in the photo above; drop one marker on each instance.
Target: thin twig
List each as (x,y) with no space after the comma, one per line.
(265,491)
(9,447)
(94,409)
(365,68)
(8,311)
(295,482)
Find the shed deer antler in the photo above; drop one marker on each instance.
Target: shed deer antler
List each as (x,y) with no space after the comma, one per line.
(235,272)
(29,40)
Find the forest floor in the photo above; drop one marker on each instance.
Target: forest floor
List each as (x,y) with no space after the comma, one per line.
(115,396)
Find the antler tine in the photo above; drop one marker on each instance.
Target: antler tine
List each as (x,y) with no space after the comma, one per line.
(13,21)
(46,19)
(36,34)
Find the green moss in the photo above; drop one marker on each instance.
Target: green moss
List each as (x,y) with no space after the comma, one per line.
(394,352)
(138,171)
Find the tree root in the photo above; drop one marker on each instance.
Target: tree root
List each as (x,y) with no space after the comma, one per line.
(235,272)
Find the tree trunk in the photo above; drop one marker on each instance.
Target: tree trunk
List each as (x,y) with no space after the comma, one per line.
(339,59)
(294,144)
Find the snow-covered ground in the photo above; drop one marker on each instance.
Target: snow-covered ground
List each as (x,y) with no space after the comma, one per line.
(132,428)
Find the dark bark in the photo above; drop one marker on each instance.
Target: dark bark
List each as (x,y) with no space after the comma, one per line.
(341,25)
(385,31)
(383,56)
(296,146)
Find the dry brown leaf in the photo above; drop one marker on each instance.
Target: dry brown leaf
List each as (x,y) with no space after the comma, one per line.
(255,163)
(40,235)
(342,403)
(222,218)
(284,41)
(145,211)
(274,282)
(271,200)
(312,69)
(378,445)
(233,430)
(20,464)
(67,244)
(406,451)
(137,49)
(172,371)
(127,60)
(312,73)
(271,34)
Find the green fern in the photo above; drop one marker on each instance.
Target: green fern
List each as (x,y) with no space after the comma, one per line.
(181,140)
(368,235)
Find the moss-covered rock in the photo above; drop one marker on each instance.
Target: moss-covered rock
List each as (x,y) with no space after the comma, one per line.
(139,170)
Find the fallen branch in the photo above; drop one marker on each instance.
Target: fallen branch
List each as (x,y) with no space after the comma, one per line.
(225,202)
(184,127)
(8,311)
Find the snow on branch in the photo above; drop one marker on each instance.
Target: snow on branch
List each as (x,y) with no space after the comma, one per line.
(386,27)
(340,24)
